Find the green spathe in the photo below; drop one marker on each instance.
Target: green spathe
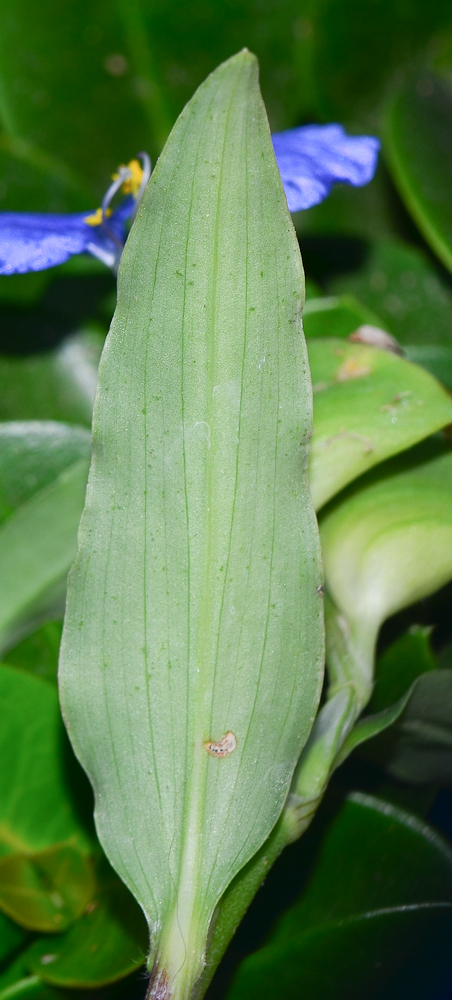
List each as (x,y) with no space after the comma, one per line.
(193,612)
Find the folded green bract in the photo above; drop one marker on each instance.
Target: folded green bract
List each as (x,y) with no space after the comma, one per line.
(192,653)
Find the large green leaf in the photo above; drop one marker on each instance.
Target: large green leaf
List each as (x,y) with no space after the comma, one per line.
(193,614)
(418,145)
(368,404)
(375,914)
(37,808)
(43,471)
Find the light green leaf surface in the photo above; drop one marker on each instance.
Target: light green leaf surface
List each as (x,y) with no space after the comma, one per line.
(193,610)
(43,471)
(369,404)
(386,544)
(36,806)
(418,147)
(47,890)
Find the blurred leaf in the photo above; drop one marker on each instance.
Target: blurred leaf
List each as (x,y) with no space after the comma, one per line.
(32,455)
(357,956)
(408,658)
(418,146)
(57,385)
(106,944)
(29,988)
(436,358)
(418,748)
(16,982)
(368,404)
(369,727)
(82,93)
(37,809)
(38,539)
(11,937)
(38,653)
(68,106)
(368,212)
(335,316)
(380,918)
(356,49)
(400,285)
(47,890)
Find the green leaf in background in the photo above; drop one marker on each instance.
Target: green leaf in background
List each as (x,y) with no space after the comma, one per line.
(32,455)
(109,942)
(386,544)
(29,988)
(37,809)
(356,49)
(417,749)
(407,661)
(68,106)
(335,316)
(418,147)
(376,913)
(47,890)
(11,937)
(56,385)
(368,404)
(401,286)
(192,651)
(43,471)
(39,652)
(400,665)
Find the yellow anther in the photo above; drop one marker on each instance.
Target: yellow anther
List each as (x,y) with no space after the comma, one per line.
(131,184)
(96,218)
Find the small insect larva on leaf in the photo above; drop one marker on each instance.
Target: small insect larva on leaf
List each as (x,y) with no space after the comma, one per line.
(223,747)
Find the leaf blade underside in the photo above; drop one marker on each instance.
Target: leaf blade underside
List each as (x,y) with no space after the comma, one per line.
(193,610)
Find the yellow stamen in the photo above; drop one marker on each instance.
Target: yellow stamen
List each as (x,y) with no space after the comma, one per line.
(131,185)
(96,218)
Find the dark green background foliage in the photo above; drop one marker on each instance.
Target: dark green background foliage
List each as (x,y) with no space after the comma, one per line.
(362,906)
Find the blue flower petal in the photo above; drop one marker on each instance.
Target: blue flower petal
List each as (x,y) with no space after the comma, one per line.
(311,158)
(30,241)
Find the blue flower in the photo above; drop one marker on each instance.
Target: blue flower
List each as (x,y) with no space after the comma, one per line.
(310,160)
(31,241)
(313,157)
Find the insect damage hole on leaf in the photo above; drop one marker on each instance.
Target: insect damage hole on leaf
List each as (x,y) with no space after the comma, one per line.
(223,747)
